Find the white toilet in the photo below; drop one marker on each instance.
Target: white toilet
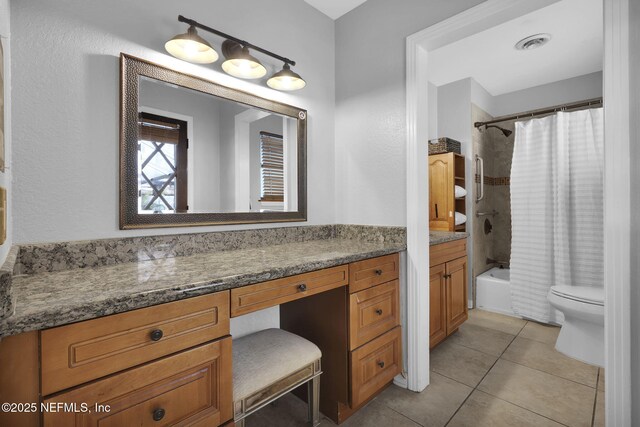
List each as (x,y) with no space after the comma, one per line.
(582,334)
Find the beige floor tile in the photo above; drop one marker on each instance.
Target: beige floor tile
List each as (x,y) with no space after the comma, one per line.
(561,400)
(434,407)
(482,410)
(375,414)
(460,363)
(598,418)
(539,332)
(499,322)
(601,380)
(544,357)
(482,339)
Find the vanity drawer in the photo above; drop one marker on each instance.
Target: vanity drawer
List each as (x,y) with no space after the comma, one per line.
(85,351)
(444,252)
(373,312)
(275,292)
(187,389)
(374,365)
(371,272)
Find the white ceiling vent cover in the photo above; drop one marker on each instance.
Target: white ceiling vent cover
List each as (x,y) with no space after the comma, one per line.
(533,42)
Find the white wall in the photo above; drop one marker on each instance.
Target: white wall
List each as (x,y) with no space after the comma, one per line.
(634,72)
(575,89)
(5,178)
(66,168)
(370,105)
(204,140)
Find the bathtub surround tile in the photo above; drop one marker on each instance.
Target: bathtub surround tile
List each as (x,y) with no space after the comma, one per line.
(433,407)
(482,409)
(463,364)
(544,357)
(499,322)
(486,340)
(539,332)
(556,398)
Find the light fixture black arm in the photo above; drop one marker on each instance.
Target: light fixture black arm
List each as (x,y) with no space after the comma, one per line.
(235,39)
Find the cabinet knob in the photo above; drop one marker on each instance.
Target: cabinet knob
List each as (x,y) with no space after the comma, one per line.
(379,312)
(379,272)
(381,364)
(158,414)
(446,276)
(156,334)
(302,287)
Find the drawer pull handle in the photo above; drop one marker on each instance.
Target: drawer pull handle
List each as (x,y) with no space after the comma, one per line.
(156,334)
(302,287)
(379,272)
(379,312)
(381,364)
(158,414)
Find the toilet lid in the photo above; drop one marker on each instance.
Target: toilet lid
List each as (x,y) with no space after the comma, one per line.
(586,294)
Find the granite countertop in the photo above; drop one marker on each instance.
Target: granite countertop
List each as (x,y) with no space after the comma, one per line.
(437,237)
(60,297)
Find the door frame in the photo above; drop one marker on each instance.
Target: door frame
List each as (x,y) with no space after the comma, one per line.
(617,187)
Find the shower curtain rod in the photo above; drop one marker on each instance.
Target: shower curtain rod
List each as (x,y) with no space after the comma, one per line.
(535,113)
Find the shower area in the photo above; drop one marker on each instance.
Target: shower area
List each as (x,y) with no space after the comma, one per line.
(492,155)
(538,207)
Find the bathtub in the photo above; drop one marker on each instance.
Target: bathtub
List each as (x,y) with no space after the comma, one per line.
(492,291)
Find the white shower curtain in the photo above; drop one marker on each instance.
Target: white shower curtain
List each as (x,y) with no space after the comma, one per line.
(556,208)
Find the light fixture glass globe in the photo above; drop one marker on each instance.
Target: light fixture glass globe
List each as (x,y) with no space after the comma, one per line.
(242,65)
(192,48)
(286,79)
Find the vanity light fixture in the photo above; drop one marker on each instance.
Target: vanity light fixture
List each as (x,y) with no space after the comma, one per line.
(191,47)
(286,79)
(239,61)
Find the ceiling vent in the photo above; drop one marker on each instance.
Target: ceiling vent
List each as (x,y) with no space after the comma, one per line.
(533,42)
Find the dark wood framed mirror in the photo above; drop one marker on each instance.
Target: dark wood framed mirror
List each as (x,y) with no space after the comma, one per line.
(193,152)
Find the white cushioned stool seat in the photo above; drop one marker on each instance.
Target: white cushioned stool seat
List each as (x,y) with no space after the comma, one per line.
(270,363)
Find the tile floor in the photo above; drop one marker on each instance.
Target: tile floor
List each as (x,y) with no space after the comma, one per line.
(495,371)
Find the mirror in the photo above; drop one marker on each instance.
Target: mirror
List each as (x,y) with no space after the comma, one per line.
(197,153)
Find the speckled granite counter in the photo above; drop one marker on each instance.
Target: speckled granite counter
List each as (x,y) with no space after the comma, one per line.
(59,297)
(437,237)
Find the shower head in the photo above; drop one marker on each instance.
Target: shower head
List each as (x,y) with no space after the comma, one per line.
(505,132)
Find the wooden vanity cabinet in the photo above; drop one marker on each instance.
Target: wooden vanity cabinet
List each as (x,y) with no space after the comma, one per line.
(448,303)
(358,331)
(168,364)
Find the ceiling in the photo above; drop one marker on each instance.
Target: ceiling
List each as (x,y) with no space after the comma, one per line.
(334,9)
(490,57)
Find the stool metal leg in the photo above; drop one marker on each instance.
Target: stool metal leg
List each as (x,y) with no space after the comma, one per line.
(313,396)
(239,423)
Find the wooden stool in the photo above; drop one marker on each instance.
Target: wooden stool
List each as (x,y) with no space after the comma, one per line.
(269,364)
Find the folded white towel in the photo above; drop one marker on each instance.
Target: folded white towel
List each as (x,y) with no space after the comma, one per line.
(460,192)
(460,218)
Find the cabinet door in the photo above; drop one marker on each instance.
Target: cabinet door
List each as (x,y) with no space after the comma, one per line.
(437,305)
(456,293)
(191,388)
(441,178)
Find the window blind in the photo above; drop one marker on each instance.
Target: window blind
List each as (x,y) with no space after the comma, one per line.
(153,130)
(272,167)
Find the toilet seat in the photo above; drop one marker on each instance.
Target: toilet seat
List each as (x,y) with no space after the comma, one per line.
(583,294)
